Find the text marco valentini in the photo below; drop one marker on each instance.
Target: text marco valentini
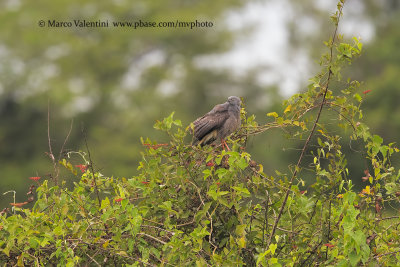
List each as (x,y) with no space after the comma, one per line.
(77,23)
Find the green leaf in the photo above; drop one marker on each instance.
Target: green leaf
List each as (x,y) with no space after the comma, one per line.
(349,197)
(168,121)
(58,230)
(357,97)
(105,203)
(354,258)
(261,257)
(221,172)
(241,190)
(6,251)
(272,114)
(272,248)
(345,50)
(288,109)
(177,122)
(242,163)
(166,205)
(323,173)
(341,100)
(391,188)
(44,242)
(199,233)
(33,242)
(241,242)
(207,173)
(274,262)
(64,210)
(377,139)
(241,229)
(343,263)
(384,150)
(360,239)
(216,194)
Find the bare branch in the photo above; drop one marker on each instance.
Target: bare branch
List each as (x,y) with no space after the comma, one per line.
(50,153)
(65,140)
(92,169)
(309,136)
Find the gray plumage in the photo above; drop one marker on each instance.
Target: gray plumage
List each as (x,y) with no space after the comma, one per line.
(219,123)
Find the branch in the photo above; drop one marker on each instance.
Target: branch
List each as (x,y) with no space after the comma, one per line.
(65,140)
(92,259)
(50,153)
(310,135)
(387,218)
(386,254)
(311,253)
(152,237)
(92,169)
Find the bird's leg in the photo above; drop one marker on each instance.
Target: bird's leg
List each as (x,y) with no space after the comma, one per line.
(224,144)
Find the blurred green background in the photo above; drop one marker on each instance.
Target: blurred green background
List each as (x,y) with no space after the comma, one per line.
(114,83)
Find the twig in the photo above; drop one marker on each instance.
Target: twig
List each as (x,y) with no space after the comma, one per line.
(285,230)
(385,254)
(309,136)
(329,226)
(144,219)
(65,140)
(387,218)
(186,223)
(92,259)
(152,237)
(92,169)
(265,223)
(311,253)
(158,228)
(266,178)
(50,154)
(12,191)
(341,114)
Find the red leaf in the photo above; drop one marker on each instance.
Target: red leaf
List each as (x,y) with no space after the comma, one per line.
(366,92)
(154,146)
(118,199)
(329,245)
(366,177)
(82,167)
(18,204)
(210,163)
(34,178)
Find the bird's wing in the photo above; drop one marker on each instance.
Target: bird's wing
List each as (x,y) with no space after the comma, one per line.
(214,119)
(220,108)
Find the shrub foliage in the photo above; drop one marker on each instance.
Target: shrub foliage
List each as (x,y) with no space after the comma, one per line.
(193,206)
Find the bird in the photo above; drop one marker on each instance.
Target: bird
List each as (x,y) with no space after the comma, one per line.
(217,124)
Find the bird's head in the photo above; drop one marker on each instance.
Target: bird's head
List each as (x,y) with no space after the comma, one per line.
(234,100)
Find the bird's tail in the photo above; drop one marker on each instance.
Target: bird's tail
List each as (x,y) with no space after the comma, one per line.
(207,139)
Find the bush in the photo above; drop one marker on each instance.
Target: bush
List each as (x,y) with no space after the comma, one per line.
(207,206)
